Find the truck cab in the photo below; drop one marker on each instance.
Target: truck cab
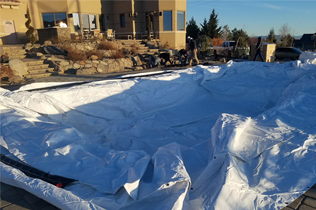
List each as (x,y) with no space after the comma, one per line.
(229,44)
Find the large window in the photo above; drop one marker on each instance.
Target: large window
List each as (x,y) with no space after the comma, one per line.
(180,21)
(167,20)
(122,20)
(54,19)
(76,21)
(88,22)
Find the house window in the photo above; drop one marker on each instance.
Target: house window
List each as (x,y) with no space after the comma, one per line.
(54,19)
(76,21)
(122,20)
(167,20)
(93,22)
(60,17)
(88,22)
(180,21)
(48,19)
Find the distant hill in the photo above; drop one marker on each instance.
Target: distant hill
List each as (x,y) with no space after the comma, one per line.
(278,37)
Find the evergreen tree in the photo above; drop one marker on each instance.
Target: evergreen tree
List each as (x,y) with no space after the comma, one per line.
(193,29)
(271,36)
(213,29)
(241,36)
(204,28)
(210,28)
(30,31)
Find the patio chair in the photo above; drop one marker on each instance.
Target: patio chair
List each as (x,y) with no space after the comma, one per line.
(110,34)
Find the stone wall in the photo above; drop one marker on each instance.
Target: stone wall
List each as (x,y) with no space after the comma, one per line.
(91,66)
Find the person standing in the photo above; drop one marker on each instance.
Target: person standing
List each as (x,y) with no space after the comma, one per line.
(193,51)
(259,48)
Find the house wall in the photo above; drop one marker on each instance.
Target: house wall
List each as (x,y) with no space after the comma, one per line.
(17,14)
(175,38)
(135,25)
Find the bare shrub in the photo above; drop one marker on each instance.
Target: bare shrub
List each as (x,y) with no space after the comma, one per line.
(117,54)
(5,72)
(94,52)
(106,45)
(165,45)
(217,42)
(134,49)
(56,40)
(252,40)
(75,55)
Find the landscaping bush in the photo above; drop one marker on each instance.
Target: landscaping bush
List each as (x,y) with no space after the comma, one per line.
(94,52)
(217,42)
(106,45)
(5,73)
(165,45)
(75,55)
(134,49)
(117,54)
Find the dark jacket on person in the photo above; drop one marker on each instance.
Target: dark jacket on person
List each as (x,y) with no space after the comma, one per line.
(182,52)
(192,44)
(259,46)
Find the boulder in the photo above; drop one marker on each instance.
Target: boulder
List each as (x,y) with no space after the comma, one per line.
(138,68)
(82,63)
(47,43)
(28,46)
(43,57)
(18,67)
(76,66)
(86,71)
(38,54)
(137,61)
(16,79)
(60,69)
(94,57)
(64,63)
(88,65)
(102,68)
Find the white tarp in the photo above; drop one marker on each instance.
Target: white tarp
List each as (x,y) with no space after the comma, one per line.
(237,136)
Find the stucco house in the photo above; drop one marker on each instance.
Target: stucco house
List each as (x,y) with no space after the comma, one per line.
(125,17)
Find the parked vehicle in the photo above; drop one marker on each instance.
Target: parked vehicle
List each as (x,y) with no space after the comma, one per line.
(287,53)
(229,44)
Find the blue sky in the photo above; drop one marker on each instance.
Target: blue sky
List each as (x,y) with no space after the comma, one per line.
(257,17)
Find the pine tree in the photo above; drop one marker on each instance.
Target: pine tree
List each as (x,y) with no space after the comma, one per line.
(210,28)
(193,29)
(204,28)
(214,30)
(30,31)
(241,36)
(271,36)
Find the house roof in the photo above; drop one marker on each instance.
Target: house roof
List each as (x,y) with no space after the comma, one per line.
(308,38)
(10,2)
(13,1)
